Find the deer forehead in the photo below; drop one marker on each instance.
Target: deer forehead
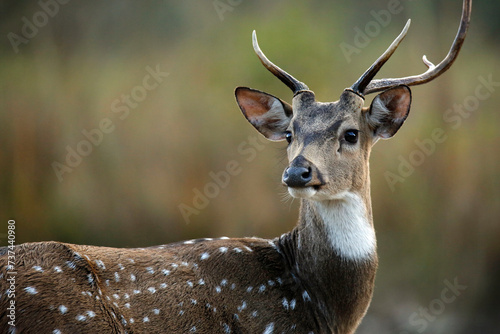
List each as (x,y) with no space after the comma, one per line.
(325,119)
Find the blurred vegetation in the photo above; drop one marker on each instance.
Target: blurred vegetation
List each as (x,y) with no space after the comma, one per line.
(441,223)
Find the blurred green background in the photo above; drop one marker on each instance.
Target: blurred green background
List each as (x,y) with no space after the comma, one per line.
(75,67)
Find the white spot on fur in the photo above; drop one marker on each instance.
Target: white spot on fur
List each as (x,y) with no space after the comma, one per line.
(255,314)
(188,242)
(81,317)
(285,303)
(152,289)
(56,331)
(201,281)
(218,289)
(293,303)
(305,296)
(223,249)
(57,269)
(262,288)
(90,314)
(156,311)
(31,290)
(165,272)
(145,319)
(120,266)
(237,250)
(38,268)
(163,285)
(348,227)
(150,270)
(242,306)
(269,328)
(227,330)
(100,264)
(63,309)
(117,277)
(132,277)
(204,256)
(127,305)
(71,264)
(271,243)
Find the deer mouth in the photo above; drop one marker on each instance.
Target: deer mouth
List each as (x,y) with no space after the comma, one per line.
(307,192)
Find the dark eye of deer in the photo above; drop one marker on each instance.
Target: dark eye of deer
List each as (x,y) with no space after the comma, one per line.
(351,136)
(288,137)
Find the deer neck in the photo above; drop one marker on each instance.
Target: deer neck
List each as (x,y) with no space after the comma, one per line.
(332,253)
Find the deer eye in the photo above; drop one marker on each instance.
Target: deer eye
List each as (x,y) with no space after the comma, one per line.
(288,136)
(351,136)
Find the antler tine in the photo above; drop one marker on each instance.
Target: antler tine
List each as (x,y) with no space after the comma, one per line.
(433,70)
(360,85)
(294,84)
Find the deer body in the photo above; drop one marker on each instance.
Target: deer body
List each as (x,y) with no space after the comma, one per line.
(223,285)
(318,278)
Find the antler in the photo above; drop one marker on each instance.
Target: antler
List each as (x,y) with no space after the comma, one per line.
(294,84)
(365,85)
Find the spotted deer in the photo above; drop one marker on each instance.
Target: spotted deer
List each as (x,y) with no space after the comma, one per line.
(318,278)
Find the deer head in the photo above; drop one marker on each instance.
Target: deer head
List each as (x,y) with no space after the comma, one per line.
(329,143)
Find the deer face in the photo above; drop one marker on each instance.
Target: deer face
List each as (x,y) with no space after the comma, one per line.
(328,143)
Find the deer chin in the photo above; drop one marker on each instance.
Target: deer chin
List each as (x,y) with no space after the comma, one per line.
(312,193)
(302,192)
(316,194)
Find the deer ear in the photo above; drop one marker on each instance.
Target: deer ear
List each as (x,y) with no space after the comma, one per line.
(268,114)
(389,110)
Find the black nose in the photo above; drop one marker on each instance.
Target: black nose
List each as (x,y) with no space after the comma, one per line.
(297,176)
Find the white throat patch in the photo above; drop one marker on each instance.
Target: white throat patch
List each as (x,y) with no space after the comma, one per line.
(348,227)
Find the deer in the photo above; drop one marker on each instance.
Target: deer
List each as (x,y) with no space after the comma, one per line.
(317,278)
